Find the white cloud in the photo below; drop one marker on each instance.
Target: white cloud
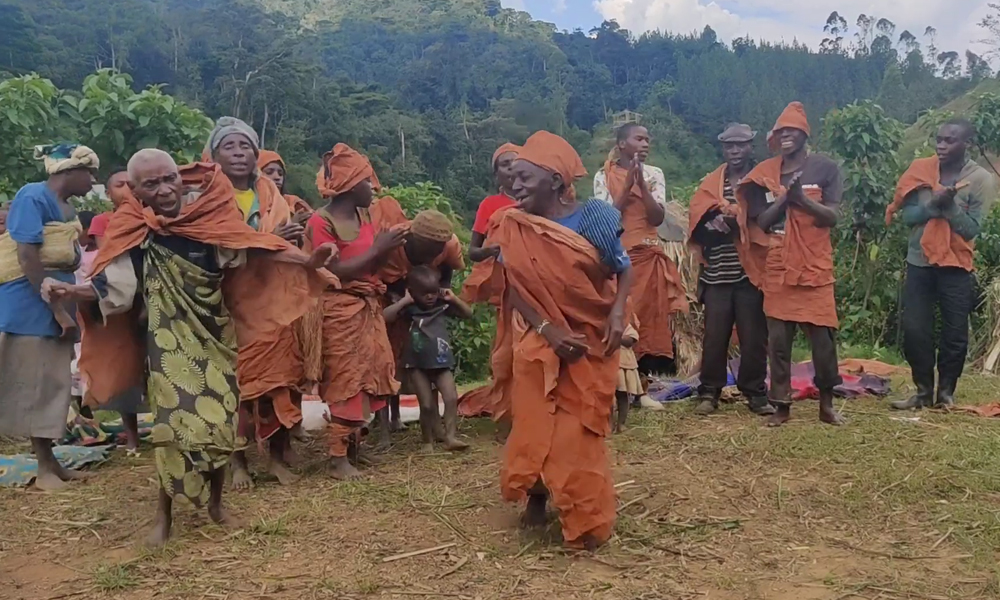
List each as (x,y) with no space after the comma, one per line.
(955,20)
(515,4)
(559,7)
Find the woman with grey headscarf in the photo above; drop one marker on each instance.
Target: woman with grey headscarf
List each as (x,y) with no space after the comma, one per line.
(270,372)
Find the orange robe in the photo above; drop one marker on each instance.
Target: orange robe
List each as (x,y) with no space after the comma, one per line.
(270,368)
(560,409)
(942,246)
(262,296)
(657,292)
(753,241)
(798,284)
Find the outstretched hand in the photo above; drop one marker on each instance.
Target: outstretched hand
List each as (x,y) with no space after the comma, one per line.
(290,231)
(55,291)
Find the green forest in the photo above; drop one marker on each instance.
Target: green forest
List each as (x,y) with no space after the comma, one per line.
(429,88)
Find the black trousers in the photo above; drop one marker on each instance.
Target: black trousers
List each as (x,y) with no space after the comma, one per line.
(742,305)
(950,290)
(823,341)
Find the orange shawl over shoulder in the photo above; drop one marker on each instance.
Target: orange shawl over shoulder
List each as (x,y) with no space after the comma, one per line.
(799,276)
(657,292)
(941,246)
(262,296)
(560,409)
(753,242)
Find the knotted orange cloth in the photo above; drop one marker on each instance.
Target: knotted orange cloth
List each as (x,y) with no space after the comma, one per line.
(486,284)
(270,367)
(560,409)
(262,296)
(799,278)
(267,157)
(657,292)
(752,243)
(342,169)
(942,246)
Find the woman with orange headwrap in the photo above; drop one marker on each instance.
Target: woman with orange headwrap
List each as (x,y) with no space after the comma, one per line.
(271,369)
(503,174)
(271,165)
(638,191)
(794,197)
(561,260)
(359,369)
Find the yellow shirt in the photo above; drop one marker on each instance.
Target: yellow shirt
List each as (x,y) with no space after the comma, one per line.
(244,199)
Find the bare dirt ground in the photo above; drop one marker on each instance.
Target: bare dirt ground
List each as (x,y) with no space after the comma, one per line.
(718,508)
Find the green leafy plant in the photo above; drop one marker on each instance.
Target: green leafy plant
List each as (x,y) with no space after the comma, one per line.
(29,115)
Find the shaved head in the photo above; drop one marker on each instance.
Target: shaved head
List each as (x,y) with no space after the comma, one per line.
(155,181)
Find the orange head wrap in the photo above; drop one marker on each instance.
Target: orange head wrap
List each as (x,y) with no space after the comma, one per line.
(554,154)
(267,157)
(342,169)
(794,116)
(508,147)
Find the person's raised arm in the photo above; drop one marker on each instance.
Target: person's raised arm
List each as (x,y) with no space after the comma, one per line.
(391,312)
(456,306)
(478,252)
(655,212)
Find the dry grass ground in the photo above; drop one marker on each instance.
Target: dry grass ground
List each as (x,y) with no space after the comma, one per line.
(718,508)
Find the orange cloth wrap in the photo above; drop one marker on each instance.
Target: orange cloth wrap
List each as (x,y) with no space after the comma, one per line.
(342,169)
(555,155)
(560,409)
(271,365)
(942,246)
(262,296)
(799,276)
(657,291)
(504,149)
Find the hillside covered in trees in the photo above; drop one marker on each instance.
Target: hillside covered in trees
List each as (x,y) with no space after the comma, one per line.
(430,87)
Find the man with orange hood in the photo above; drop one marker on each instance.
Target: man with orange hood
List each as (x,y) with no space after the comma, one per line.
(179,279)
(943,200)
(359,371)
(271,371)
(795,198)
(729,279)
(638,191)
(567,278)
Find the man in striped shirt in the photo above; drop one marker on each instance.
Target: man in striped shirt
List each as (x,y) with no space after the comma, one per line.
(725,289)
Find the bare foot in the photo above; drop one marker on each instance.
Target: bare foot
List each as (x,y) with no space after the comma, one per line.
(285,476)
(50,482)
(72,475)
(829,416)
(367,460)
(159,534)
(242,479)
(299,433)
(455,445)
(427,449)
(221,516)
(534,516)
(781,415)
(342,469)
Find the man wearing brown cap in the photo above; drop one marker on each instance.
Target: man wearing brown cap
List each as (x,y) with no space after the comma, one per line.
(728,285)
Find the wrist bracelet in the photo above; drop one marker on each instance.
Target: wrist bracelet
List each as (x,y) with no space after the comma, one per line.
(541,326)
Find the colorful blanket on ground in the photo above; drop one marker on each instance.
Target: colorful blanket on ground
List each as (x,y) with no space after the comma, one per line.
(20,470)
(81,431)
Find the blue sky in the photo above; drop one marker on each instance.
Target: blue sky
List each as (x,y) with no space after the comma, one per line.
(774,20)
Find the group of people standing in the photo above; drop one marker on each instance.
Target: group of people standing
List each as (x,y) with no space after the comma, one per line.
(222,300)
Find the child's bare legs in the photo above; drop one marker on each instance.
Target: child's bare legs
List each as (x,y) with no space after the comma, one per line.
(395,422)
(160,532)
(216,512)
(131,423)
(622,399)
(430,420)
(384,428)
(277,465)
(445,382)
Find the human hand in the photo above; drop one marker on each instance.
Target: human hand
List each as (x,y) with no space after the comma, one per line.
(638,174)
(945,197)
(322,256)
(65,321)
(569,346)
(613,331)
(301,218)
(290,231)
(55,291)
(389,240)
(448,296)
(493,250)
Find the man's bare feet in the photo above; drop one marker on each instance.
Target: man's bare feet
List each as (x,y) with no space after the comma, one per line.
(159,533)
(455,445)
(534,516)
(782,414)
(221,516)
(342,469)
(242,480)
(427,448)
(50,482)
(282,472)
(72,475)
